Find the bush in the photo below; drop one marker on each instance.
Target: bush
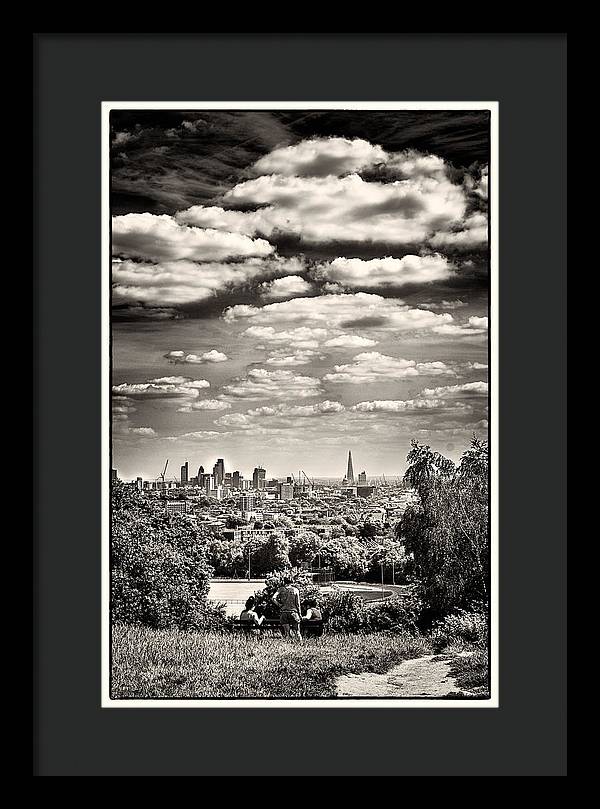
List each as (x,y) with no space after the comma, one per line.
(210,617)
(461,628)
(395,613)
(159,573)
(344,612)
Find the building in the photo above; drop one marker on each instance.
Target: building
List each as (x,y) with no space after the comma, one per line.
(364,491)
(349,479)
(362,479)
(258,477)
(200,475)
(176,506)
(219,471)
(236,480)
(248,502)
(113,474)
(139,484)
(185,474)
(286,491)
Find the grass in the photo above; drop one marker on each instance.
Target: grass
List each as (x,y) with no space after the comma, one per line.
(159,663)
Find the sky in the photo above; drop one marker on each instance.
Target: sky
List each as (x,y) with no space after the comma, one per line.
(291,285)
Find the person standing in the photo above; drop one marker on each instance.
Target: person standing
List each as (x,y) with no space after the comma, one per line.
(287,598)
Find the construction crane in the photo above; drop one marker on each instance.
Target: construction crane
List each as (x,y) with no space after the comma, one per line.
(162,479)
(309,480)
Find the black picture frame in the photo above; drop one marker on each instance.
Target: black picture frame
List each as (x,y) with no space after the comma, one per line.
(73,74)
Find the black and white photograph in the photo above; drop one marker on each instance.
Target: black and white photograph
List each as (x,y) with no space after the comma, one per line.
(300,399)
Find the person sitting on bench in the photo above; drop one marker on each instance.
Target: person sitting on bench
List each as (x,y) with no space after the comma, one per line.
(250,616)
(313,613)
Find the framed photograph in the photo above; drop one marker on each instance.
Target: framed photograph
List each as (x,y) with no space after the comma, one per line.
(298,503)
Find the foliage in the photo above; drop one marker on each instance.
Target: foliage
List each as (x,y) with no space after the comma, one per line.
(461,628)
(303,547)
(447,534)
(159,572)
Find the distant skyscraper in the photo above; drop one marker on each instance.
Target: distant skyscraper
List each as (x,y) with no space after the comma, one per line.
(139,484)
(258,477)
(200,474)
(113,474)
(236,480)
(362,479)
(219,471)
(184,473)
(350,470)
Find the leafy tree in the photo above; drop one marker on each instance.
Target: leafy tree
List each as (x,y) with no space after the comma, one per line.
(424,465)
(447,534)
(159,571)
(303,547)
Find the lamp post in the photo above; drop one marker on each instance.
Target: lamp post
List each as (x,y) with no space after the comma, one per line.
(249,555)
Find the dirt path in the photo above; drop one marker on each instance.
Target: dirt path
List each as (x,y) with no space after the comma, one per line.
(422,677)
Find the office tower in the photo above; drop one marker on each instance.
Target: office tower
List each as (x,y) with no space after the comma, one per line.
(248,502)
(362,479)
(113,474)
(228,479)
(200,475)
(350,470)
(236,480)
(139,484)
(286,491)
(258,477)
(184,474)
(219,471)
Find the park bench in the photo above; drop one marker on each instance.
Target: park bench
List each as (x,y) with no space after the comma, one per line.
(307,628)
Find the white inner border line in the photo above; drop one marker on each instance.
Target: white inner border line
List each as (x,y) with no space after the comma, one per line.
(106,701)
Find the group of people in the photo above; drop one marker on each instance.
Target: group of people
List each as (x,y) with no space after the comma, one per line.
(287,599)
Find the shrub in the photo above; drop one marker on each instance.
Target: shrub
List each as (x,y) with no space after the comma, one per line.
(462,627)
(344,611)
(210,617)
(159,573)
(395,613)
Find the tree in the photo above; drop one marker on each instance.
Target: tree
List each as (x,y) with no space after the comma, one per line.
(159,572)
(303,547)
(447,534)
(425,465)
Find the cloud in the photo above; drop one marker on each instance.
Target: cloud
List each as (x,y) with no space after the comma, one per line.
(320,157)
(477,366)
(299,338)
(161,238)
(199,435)
(466,389)
(181,358)
(448,306)
(260,383)
(385,272)
(299,357)
(145,431)
(177,283)
(350,209)
(472,232)
(204,404)
(358,310)
(246,222)
(288,287)
(166,387)
(372,366)
(304,411)
(349,341)
(473,327)
(401,406)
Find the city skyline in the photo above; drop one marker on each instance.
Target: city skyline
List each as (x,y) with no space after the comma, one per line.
(291,284)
